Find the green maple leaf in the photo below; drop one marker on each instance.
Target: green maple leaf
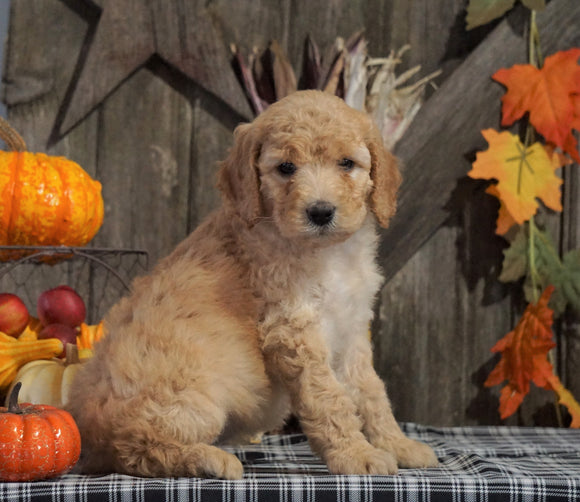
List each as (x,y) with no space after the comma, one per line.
(563,274)
(515,258)
(535,4)
(480,12)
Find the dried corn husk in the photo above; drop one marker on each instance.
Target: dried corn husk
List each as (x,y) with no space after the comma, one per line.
(365,83)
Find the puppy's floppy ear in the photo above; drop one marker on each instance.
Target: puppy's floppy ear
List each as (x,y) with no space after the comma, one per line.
(238,177)
(385,176)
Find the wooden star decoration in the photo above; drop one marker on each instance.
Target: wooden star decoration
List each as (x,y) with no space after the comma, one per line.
(130,32)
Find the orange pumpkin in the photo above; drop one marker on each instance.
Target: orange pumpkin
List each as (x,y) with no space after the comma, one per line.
(45,200)
(36,441)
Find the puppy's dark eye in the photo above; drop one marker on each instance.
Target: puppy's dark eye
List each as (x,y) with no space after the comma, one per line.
(346,164)
(287,169)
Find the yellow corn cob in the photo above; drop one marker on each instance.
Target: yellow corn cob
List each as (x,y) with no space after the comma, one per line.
(16,352)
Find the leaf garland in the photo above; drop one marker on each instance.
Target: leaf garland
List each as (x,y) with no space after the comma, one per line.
(524,171)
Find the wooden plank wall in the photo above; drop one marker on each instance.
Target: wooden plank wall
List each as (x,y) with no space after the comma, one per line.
(155,140)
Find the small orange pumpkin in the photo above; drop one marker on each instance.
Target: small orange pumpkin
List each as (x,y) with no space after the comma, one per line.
(36,441)
(45,200)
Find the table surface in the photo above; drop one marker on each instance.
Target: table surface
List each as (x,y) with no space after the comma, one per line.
(476,463)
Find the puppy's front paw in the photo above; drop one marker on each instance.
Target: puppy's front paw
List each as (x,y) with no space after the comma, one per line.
(361,458)
(413,454)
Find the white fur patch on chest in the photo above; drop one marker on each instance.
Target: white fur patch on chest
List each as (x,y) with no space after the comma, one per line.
(349,281)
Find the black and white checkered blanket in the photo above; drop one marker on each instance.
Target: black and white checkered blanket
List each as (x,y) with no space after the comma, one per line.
(477,464)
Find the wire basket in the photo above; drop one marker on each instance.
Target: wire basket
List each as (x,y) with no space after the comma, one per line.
(101,276)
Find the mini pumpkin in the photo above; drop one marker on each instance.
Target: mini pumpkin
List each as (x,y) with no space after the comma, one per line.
(36,441)
(48,381)
(45,200)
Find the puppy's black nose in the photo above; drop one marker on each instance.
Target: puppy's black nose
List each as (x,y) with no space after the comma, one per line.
(321,213)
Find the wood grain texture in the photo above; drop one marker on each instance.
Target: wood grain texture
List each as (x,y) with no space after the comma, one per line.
(211,138)
(145,169)
(440,315)
(436,35)
(129,33)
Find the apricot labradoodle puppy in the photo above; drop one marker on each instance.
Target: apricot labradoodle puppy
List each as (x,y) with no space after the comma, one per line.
(262,311)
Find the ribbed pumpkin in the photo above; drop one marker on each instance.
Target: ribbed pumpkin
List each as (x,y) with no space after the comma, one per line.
(36,441)
(47,381)
(45,200)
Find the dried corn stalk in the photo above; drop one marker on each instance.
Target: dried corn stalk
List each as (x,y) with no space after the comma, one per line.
(365,83)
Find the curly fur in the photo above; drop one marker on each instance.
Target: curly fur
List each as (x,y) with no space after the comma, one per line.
(258,313)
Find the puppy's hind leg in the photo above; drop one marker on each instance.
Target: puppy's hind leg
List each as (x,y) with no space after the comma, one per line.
(174,440)
(166,458)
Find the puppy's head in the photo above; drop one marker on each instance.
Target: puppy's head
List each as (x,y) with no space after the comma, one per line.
(312,165)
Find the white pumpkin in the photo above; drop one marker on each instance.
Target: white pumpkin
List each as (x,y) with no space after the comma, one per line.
(48,381)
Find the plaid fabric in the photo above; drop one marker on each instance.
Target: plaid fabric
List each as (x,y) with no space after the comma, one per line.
(477,464)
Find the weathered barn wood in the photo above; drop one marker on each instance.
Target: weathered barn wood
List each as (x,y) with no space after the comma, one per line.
(181,33)
(154,134)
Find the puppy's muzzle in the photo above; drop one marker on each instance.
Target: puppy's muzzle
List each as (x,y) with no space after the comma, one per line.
(320,213)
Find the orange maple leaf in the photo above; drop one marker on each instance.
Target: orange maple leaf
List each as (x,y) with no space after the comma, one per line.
(525,359)
(524,355)
(551,95)
(523,175)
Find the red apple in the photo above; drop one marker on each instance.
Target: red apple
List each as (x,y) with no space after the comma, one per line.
(13,314)
(61,305)
(64,333)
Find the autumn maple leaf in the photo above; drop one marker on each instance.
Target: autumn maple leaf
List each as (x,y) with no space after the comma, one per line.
(524,355)
(525,359)
(551,95)
(523,174)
